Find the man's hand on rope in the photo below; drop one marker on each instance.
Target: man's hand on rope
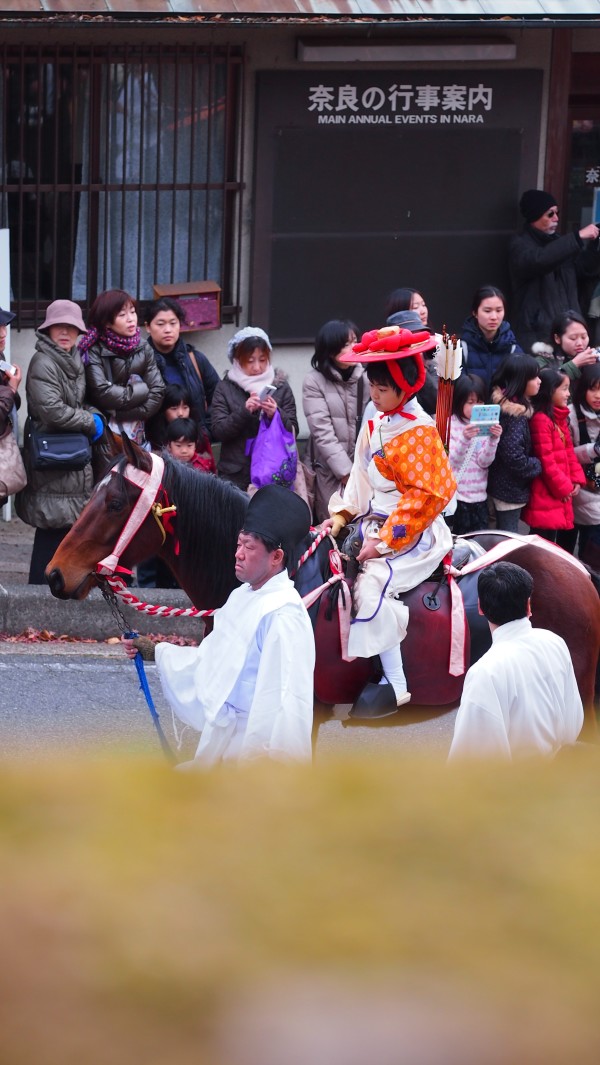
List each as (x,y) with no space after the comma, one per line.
(141,644)
(334,525)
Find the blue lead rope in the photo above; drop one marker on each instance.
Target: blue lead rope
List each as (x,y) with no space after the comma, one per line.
(139,665)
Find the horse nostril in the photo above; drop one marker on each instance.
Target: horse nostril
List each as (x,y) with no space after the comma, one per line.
(56,582)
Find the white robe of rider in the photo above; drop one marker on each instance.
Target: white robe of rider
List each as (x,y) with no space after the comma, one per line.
(372,497)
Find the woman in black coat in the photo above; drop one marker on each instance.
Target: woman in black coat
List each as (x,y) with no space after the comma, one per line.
(180,363)
(515,466)
(237,404)
(122,378)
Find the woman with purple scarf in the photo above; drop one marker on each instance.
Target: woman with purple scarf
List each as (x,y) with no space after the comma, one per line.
(122,377)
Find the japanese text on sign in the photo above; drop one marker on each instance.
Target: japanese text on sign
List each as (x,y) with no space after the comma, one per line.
(400,103)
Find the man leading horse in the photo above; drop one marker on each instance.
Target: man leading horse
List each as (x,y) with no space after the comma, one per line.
(248,687)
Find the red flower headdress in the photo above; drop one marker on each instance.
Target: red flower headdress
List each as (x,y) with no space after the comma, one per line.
(390,345)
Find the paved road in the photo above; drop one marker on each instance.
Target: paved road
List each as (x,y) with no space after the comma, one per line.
(87,697)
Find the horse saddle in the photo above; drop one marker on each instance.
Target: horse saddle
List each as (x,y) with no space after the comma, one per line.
(462,550)
(426,648)
(336,680)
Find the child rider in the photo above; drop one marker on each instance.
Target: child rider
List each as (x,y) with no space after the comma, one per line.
(401,480)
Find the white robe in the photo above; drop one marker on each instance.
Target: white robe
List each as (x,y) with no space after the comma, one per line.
(381,617)
(248,688)
(520,698)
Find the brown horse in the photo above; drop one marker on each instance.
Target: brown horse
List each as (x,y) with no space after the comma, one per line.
(199,547)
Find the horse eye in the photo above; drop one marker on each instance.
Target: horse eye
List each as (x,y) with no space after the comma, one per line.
(115,505)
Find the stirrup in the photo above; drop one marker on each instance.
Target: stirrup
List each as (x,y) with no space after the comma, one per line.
(377,700)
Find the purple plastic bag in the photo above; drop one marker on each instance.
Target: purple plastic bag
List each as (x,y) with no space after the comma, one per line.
(274,454)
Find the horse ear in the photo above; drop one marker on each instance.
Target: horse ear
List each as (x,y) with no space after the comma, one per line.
(135,455)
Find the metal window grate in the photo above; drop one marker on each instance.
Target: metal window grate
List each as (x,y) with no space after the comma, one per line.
(120,168)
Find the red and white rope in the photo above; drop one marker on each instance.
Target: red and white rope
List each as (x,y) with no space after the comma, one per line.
(311,550)
(125,594)
(129,599)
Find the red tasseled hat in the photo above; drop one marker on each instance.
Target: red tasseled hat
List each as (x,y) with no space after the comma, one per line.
(390,345)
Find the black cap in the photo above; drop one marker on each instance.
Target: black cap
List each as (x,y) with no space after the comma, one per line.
(277,514)
(6,317)
(406,320)
(411,320)
(534,203)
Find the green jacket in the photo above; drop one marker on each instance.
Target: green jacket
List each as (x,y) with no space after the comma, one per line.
(546,357)
(55,390)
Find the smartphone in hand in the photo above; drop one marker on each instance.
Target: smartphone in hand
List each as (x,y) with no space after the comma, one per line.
(267,391)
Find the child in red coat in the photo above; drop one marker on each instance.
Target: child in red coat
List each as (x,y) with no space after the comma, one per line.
(550,506)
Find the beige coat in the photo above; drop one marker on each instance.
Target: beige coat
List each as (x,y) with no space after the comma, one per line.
(586,504)
(330,408)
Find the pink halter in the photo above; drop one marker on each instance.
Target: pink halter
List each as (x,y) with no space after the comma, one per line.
(150,484)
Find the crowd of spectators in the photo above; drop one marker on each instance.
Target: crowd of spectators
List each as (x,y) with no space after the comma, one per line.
(542,373)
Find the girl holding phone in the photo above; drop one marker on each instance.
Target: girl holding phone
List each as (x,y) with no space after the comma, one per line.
(250,388)
(570,348)
(470,455)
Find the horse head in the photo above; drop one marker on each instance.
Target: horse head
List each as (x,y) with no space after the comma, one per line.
(71,573)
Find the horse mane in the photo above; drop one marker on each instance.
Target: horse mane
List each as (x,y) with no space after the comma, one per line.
(210,514)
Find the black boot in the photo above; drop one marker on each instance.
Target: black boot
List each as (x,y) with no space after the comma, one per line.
(377,700)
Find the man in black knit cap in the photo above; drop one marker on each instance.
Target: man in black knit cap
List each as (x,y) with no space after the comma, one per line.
(545,268)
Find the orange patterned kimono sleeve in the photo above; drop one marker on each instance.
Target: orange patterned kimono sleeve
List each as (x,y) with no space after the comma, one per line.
(416,461)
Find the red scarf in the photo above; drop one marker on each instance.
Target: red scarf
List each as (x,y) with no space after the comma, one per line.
(394,367)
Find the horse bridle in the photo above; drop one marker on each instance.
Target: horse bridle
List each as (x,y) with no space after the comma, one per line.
(151,486)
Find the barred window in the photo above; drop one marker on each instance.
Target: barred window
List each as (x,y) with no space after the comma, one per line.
(120,168)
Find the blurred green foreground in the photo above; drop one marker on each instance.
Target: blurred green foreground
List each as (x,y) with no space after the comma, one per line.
(384,911)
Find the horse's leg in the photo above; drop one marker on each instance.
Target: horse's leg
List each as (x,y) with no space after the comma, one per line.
(321,713)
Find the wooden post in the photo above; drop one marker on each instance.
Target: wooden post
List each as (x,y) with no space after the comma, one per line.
(558,137)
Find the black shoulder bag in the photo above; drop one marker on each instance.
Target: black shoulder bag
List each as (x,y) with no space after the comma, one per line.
(57,451)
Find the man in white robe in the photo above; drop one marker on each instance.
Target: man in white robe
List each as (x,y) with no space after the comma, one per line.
(520,698)
(248,687)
